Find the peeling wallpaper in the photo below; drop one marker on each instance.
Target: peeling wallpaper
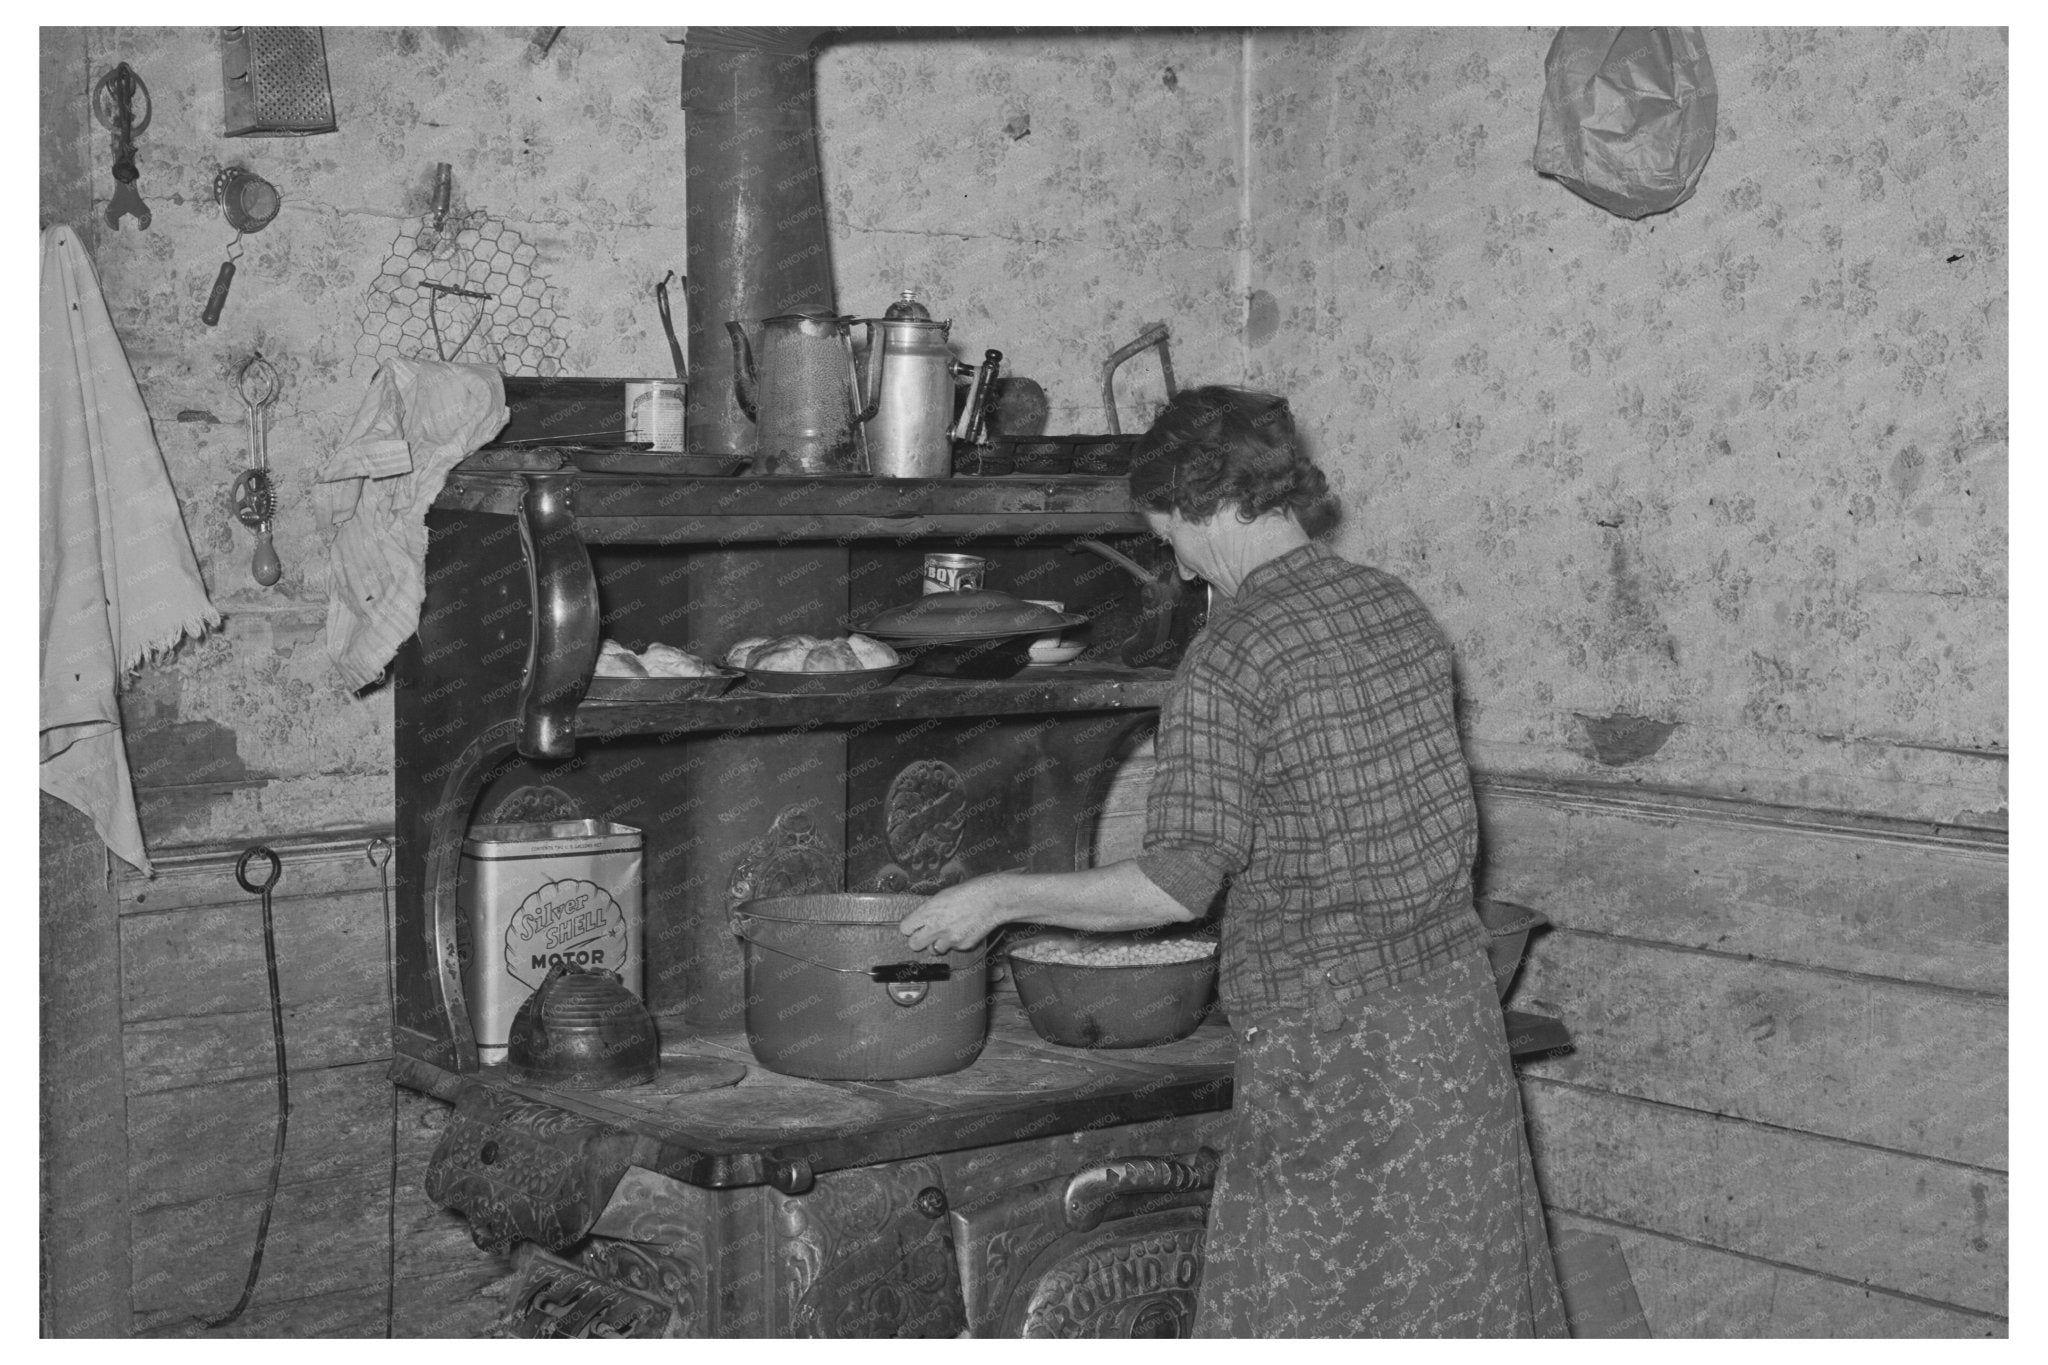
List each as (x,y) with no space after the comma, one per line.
(1734,473)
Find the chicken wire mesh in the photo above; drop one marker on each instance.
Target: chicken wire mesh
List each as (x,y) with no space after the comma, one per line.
(469,290)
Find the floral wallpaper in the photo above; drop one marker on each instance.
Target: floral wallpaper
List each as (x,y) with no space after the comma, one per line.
(1734,474)
(1712,500)
(565,161)
(1050,195)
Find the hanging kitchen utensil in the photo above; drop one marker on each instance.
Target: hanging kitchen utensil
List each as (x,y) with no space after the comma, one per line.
(1153,335)
(249,203)
(252,497)
(113,104)
(274,82)
(444,187)
(668,323)
(804,395)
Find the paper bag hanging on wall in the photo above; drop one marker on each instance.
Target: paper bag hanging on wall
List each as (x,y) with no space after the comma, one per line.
(1628,116)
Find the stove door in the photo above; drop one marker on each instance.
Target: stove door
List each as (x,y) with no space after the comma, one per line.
(1111,1251)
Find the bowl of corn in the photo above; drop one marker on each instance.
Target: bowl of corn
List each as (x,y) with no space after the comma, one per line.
(1114,990)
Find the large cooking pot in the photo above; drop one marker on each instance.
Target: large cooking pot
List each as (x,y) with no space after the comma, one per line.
(835,993)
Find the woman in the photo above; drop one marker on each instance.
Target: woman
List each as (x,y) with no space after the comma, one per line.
(1377,1180)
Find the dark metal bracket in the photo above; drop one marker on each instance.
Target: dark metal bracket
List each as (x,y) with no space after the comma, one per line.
(562,586)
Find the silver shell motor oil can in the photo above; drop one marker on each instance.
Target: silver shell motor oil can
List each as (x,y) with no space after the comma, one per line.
(534,895)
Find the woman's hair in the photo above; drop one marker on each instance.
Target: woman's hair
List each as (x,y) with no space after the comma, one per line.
(1216,445)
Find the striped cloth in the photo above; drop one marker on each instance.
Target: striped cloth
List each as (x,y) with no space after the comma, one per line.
(418,421)
(1309,750)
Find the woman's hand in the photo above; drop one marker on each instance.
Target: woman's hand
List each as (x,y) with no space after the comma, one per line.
(959,916)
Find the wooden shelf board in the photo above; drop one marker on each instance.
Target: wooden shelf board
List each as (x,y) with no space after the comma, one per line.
(682,509)
(1067,688)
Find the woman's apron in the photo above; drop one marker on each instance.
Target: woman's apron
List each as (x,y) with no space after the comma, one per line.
(1378,1181)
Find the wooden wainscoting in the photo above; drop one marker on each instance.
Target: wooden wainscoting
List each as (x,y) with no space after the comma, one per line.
(197,1074)
(1788,1095)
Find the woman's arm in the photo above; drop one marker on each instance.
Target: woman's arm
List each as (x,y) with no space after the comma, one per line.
(1114,896)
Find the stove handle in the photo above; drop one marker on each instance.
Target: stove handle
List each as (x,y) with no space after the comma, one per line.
(1089,1192)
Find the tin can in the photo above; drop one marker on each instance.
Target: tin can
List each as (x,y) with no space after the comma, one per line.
(534,895)
(953,573)
(654,412)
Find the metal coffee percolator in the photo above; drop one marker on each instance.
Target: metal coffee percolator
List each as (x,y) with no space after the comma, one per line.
(910,437)
(803,392)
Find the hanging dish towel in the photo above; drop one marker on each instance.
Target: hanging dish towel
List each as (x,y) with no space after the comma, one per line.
(119,583)
(417,422)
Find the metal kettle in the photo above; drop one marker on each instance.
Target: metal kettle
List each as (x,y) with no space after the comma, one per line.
(911,436)
(803,392)
(582,1029)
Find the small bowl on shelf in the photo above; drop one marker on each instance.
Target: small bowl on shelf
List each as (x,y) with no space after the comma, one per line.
(1047,650)
(971,656)
(1058,652)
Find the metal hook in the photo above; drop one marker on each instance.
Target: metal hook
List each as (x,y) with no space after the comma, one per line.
(242,870)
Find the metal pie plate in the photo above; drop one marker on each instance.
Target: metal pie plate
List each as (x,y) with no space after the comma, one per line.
(606,688)
(822,684)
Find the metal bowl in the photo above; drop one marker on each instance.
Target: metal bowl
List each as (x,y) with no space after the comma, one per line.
(1115,1007)
(976,656)
(821,684)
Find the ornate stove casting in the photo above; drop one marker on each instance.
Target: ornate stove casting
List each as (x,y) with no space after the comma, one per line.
(925,818)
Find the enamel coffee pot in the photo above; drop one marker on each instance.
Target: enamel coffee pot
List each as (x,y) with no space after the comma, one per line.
(802,391)
(911,436)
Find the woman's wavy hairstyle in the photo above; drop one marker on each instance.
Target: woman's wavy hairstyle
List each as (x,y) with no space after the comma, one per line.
(1218,445)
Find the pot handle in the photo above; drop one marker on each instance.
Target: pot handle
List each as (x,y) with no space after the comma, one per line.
(901,973)
(887,973)
(743,380)
(878,356)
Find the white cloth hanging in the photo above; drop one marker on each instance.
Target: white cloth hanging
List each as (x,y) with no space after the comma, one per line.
(419,419)
(119,582)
